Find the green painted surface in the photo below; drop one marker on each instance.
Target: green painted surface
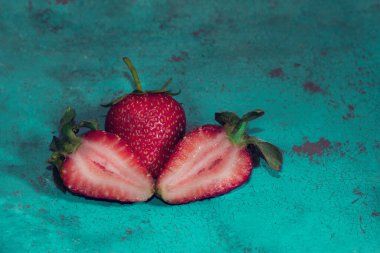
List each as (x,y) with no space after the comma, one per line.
(313,66)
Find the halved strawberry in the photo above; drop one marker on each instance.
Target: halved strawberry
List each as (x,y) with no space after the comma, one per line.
(212,160)
(99,164)
(152,122)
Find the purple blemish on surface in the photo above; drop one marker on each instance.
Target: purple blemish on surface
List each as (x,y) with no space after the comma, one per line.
(357,87)
(356,200)
(375,214)
(16,193)
(160,71)
(30,6)
(319,148)
(357,191)
(42,210)
(273,4)
(333,103)
(323,52)
(361,147)
(313,88)
(316,148)
(247,250)
(43,18)
(171,14)
(62,2)
(350,114)
(276,73)
(18,206)
(39,184)
(200,32)
(222,20)
(361,224)
(375,6)
(129,231)
(72,220)
(222,87)
(181,57)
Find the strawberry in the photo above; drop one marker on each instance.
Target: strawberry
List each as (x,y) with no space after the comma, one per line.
(98,164)
(212,160)
(151,122)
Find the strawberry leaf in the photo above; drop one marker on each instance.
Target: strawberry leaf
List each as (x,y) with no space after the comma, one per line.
(68,141)
(236,127)
(252,115)
(227,118)
(67,118)
(114,102)
(90,124)
(56,159)
(56,144)
(271,154)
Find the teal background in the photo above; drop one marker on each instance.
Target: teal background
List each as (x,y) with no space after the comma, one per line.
(312,66)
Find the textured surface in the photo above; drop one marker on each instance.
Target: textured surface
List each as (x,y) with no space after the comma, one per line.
(313,66)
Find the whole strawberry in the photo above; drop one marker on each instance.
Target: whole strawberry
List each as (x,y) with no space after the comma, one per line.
(151,122)
(98,164)
(212,160)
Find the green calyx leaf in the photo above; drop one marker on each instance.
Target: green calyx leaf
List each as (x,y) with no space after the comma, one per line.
(114,102)
(236,129)
(164,89)
(252,115)
(139,90)
(226,118)
(67,118)
(271,153)
(68,141)
(90,124)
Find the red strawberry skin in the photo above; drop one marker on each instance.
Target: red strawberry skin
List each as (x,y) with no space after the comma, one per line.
(104,167)
(204,164)
(151,123)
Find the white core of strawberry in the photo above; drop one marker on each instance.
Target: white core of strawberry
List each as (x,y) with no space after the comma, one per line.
(201,156)
(106,168)
(210,166)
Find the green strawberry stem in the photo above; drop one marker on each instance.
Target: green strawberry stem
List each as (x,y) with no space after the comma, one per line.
(238,133)
(135,76)
(68,141)
(236,129)
(139,89)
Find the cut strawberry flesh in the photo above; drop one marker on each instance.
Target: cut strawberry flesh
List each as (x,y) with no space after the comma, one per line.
(205,164)
(104,167)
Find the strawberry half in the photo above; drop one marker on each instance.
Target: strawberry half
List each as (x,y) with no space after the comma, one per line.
(212,160)
(98,164)
(151,122)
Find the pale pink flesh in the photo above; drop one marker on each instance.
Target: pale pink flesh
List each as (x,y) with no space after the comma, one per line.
(204,167)
(107,171)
